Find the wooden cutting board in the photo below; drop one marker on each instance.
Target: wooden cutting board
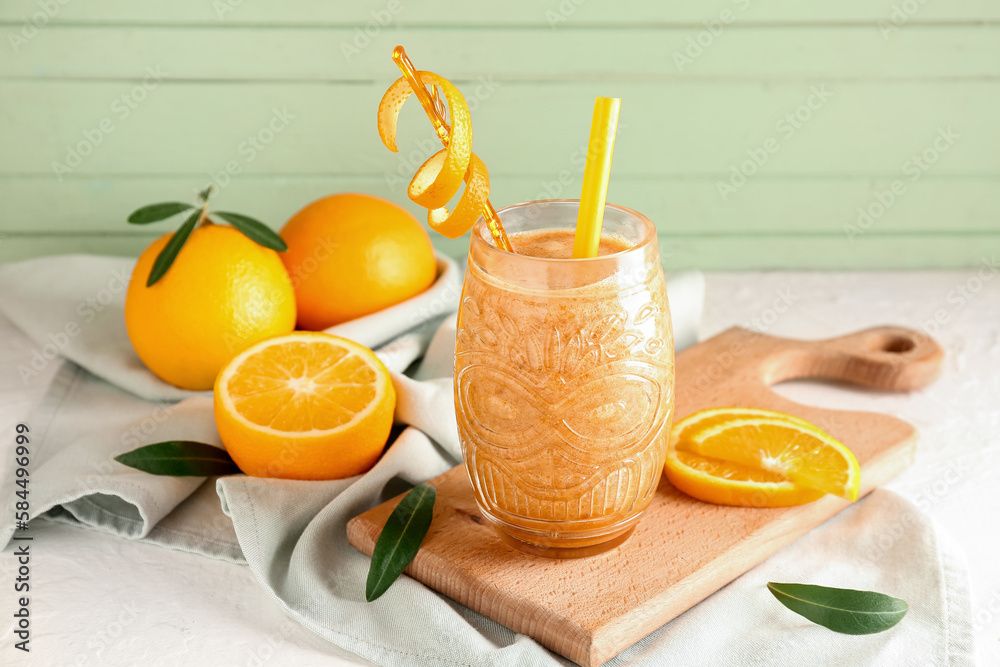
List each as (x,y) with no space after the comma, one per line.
(683,550)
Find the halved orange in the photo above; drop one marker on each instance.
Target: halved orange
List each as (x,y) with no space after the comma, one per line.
(758,458)
(307,405)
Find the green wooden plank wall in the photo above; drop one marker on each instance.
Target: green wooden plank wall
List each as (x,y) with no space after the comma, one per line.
(787,133)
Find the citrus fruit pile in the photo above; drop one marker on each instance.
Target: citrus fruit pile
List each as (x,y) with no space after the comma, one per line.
(439,178)
(216,305)
(758,458)
(304,406)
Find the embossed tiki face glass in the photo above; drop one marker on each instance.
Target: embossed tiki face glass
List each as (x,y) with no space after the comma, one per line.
(564,374)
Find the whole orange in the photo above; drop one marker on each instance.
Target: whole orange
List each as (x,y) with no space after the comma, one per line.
(222,294)
(350,255)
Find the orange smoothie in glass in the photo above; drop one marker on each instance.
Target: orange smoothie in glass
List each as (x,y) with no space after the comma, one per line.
(564,375)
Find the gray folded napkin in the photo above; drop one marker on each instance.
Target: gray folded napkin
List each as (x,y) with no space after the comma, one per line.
(102,402)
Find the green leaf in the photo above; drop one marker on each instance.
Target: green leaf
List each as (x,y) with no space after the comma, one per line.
(180,458)
(157,212)
(842,609)
(254,230)
(400,539)
(206,193)
(169,252)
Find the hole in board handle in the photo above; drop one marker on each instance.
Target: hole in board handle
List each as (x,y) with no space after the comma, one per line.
(898,345)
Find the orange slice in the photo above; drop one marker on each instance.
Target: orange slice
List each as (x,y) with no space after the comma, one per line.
(304,406)
(714,416)
(758,458)
(725,483)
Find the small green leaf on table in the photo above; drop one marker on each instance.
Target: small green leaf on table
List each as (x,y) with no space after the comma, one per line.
(400,539)
(255,230)
(157,212)
(169,253)
(180,458)
(842,609)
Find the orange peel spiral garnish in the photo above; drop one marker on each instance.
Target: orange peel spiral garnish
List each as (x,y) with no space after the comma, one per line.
(438,179)
(470,206)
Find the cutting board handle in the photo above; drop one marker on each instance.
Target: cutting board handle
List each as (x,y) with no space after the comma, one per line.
(891,358)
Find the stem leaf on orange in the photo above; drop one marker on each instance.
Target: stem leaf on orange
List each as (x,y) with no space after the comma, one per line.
(157,212)
(255,230)
(169,253)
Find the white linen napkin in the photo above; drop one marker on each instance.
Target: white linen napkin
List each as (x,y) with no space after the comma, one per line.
(103,402)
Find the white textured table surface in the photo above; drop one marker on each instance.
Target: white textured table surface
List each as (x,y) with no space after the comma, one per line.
(102,600)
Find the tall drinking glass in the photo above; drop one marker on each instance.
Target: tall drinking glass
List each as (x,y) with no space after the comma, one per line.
(564,377)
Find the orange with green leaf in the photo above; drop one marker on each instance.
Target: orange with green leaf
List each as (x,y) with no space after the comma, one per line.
(203,294)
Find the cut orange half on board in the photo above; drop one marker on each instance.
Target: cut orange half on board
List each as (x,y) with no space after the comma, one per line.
(304,406)
(758,458)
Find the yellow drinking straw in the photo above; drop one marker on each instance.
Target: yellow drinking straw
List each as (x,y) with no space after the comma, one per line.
(595,177)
